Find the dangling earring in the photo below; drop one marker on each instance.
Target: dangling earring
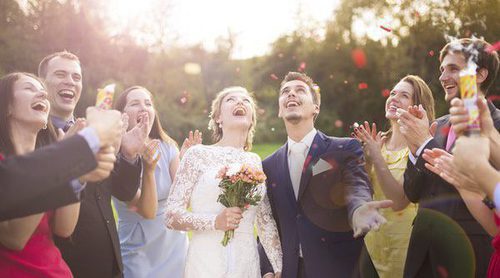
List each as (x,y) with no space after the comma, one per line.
(45,126)
(220,125)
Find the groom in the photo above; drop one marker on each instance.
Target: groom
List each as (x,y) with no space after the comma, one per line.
(318,190)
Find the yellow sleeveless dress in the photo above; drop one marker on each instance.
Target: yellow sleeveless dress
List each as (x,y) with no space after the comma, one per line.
(388,246)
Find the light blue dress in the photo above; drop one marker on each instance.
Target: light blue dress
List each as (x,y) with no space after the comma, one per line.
(148,248)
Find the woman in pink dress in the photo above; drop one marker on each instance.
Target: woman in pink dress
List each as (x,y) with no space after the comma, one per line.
(26,246)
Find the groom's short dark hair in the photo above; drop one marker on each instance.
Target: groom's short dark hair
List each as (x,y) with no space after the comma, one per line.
(306,79)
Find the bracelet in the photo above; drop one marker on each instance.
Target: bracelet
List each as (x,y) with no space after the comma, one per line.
(489,203)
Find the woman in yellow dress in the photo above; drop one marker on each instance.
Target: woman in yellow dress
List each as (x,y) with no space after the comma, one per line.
(387,154)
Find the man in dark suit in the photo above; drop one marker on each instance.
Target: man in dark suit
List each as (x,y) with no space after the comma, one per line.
(94,248)
(27,188)
(433,252)
(318,190)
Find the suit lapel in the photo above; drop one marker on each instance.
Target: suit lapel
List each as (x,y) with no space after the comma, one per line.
(318,147)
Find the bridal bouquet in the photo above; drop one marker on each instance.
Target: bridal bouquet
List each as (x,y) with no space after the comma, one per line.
(239,185)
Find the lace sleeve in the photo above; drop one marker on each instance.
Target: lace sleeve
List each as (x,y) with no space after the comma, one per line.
(268,232)
(178,217)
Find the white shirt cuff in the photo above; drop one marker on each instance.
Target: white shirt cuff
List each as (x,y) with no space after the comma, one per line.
(412,158)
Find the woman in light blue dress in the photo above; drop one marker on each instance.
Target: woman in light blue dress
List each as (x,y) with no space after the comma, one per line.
(148,248)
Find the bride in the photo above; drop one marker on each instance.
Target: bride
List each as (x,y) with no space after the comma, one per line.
(192,204)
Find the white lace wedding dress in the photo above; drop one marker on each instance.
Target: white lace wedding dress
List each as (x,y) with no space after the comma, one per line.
(192,206)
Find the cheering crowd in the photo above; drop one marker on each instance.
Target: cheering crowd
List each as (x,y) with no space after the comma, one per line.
(417,200)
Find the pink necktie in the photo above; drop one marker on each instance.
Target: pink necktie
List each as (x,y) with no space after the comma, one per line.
(451,139)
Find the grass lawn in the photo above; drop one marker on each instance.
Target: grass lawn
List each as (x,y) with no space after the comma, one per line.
(264,150)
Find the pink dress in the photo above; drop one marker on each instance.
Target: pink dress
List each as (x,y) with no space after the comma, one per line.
(39,258)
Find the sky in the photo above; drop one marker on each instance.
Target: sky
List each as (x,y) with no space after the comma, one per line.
(255,24)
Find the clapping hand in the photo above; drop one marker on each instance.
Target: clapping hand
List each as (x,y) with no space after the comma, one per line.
(106,123)
(134,140)
(80,124)
(440,163)
(366,217)
(151,155)
(193,139)
(414,125)
(371,139)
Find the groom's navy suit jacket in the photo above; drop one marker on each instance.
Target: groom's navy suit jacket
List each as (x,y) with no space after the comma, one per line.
(333,184)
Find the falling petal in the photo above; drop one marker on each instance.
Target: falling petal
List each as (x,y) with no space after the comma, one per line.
(359,58)
(431,53)
(385,93)
(338,123)
(493,47)
(385,28)
(362,86)
(273,76)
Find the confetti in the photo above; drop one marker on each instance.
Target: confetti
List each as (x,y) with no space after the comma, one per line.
(362,86)
(280,55)
(431,53)
(261,111)
(445,130)
(338,123)
(385,93)
(302,66)
(493,47)
(331,76)
(358,57)
(273,76)
(237,69)
(385,28)
(183,100)
(272,129)
(345,81)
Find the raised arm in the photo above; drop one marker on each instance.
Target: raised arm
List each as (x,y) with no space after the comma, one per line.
(146,198)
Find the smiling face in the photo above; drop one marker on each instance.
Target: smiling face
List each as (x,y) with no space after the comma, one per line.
(30,106)
(236,110)
(296,102)
(401,97)
(139,104)
(64,85)
(450,79)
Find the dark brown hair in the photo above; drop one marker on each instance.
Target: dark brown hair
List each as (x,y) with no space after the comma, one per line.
(7,82)
(306,79)
(157,131)
(486,59)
